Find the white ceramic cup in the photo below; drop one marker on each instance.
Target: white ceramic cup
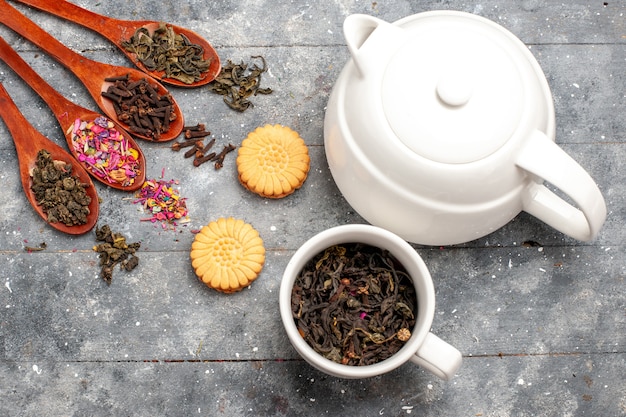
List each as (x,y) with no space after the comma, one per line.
(423,348)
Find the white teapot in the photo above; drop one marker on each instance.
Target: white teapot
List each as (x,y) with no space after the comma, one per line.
(441,129)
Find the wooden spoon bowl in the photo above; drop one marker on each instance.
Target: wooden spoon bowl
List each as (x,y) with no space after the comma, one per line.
(117,31)
(66,112)
(91,73)
(28,142)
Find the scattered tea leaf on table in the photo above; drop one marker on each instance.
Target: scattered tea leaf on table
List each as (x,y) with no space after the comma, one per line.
(113,251)
(238,82)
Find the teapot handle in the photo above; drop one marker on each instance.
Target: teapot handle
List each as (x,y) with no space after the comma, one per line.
(547,161)
(382,38)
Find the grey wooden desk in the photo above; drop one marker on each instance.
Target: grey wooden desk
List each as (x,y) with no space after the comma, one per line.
(541,327)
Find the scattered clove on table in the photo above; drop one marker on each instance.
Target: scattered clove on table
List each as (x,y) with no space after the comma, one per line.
(201,160)
(193,138)
(177,146)
(193,134)
(219,159)
(202,152)
(192,152)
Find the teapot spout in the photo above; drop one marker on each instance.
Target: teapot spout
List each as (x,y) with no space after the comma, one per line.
(371,40)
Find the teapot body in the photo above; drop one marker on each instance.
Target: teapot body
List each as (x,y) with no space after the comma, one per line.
(430,161)
(423,201)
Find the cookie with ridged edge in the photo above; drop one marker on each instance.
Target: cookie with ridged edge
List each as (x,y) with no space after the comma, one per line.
(273,161)
(227,254)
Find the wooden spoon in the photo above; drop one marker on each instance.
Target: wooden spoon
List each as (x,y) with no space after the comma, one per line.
(117,31)
(91,73)
(28,142)
(66,112)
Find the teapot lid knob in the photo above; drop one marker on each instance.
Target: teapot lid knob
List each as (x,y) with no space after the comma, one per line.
(454,89)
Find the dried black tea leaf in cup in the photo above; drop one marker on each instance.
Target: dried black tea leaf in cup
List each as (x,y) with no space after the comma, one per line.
(354,304)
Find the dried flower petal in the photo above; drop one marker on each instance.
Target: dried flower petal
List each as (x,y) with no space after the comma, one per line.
(105,151)
(160,199)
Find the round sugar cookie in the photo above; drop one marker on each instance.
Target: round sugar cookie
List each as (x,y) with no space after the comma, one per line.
(273,161)
(227,254)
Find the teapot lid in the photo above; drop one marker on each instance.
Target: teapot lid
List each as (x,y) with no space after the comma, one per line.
(454,91)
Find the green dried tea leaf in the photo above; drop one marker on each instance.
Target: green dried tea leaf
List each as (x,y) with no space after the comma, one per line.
(169,52)
(238,82)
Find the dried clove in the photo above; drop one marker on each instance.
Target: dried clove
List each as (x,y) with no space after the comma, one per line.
(219,159)
(207,148)
(118,78)
(138,105)
(199,126)
(198,149)
(192,152)
(193,134)
(177,146)
(199,161)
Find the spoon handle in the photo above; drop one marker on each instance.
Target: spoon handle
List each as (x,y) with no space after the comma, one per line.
(57,103)
(18,127)
(95,76)
(28,142)
(73,61)
(119,31)
(66,112)
(116,30)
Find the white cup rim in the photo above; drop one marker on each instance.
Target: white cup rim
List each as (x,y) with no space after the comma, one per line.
(374,236)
